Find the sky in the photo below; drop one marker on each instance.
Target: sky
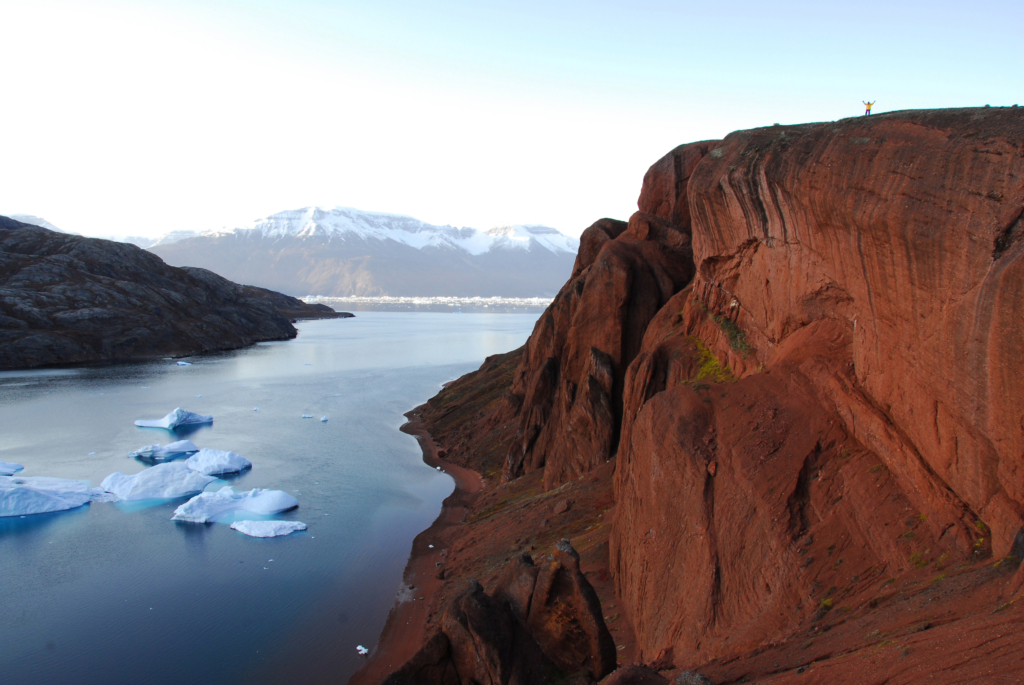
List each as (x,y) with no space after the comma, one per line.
(138,118)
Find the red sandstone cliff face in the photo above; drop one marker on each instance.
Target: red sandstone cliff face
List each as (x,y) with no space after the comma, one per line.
(846,360)
(804,354)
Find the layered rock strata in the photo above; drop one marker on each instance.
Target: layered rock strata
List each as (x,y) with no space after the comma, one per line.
(68,299)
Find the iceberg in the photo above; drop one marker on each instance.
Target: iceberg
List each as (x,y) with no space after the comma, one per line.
(214,462)
(39,495)
(209,506)
(168,451)
(8,469)
(323,419)
(163,481)
(178,417)
(307,416)
(267,529)
(184,364)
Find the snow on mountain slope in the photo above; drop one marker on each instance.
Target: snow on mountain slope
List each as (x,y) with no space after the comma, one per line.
(346,223)
(35,221)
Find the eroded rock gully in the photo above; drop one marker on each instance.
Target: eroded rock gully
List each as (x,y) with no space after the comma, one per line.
(800,365)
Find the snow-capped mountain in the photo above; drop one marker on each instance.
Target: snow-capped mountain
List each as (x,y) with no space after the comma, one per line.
(344,251)
(35,221)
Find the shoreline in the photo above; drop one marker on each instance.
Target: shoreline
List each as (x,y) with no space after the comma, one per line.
(404,630)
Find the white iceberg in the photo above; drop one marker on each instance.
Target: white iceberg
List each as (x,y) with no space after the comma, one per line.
(163,481)
(168,451)
(210,506)
(214,462)
(307,416)
(323,419)
(267,529)
(38,495)
(178,417)
(363,651)
(8,469)
(184,364)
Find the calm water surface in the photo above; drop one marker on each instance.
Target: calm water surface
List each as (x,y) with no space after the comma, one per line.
(118,593)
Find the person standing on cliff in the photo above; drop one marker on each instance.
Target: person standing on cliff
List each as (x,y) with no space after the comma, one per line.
(867,106)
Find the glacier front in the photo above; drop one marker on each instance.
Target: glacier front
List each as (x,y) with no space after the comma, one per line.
(38,495)
(211,506)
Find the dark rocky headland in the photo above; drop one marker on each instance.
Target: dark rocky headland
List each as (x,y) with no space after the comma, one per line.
(779,415)
(67,299)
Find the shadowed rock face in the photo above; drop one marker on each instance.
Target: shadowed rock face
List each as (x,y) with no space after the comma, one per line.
(68,299)
(536,622)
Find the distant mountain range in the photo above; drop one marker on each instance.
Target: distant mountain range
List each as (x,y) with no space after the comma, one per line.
(342,251)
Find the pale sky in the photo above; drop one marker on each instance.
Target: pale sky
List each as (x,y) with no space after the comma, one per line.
(136,118)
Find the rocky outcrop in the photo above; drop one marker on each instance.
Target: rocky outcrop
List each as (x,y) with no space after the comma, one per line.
(536,623)
(68,299)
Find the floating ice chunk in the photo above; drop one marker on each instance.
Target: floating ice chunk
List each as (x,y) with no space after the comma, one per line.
(307,416)
(214,462)
(168,451)
(307,364)
(323,419)
(209,506)
(92,454)
(198,395)
(178,417)
(255,408)
(184,364)
(363,651)
(8,469)
(38,495)
(267,529)
(163,481)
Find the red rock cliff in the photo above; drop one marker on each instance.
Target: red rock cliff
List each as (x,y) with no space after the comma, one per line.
(804,354)
(846,357)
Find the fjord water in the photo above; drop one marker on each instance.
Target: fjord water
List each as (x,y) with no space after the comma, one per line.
(119,593)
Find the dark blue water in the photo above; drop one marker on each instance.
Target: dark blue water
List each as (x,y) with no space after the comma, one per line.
(118,593)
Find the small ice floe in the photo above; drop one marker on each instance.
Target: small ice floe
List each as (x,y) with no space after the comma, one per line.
(178,417)
(438,468)
(337,394)
(184,364)
(363,651)
(307,416)
(9,469)
(168,451)
(215,462)
(163,481)
(307,364)
(267,529)
(430,546)
(255,408)
(209,506)
(38,495)
(323,419)
(198,395)
(92,454)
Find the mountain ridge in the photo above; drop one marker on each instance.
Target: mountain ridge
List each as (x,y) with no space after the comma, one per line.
(343,251)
